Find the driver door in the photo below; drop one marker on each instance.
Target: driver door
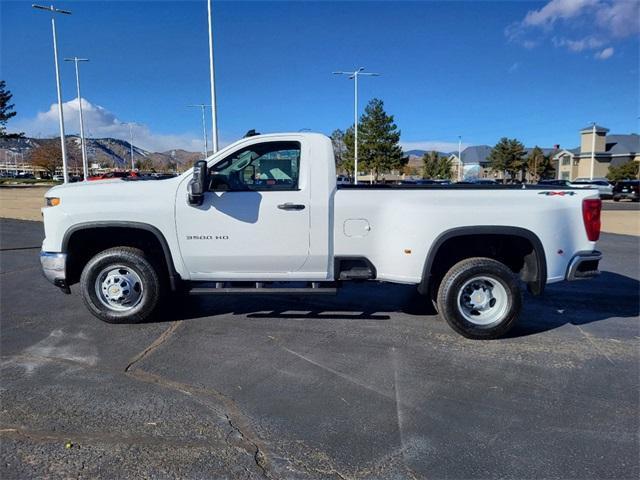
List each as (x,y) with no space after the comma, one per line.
(254,220)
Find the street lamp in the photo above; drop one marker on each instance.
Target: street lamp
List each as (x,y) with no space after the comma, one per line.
(214,110)
(83,145)
(203,107)
(460,165)
(131,144)
(354,75)
(593,151)
(53,11)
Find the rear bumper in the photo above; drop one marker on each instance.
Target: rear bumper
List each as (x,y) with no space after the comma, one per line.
(54,268)
(584,265)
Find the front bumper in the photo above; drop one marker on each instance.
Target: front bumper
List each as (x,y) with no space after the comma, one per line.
(584,265)
(54,268)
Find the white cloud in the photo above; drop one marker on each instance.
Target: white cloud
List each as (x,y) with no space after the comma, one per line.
(621,17)
(604,54)
(513,68)
(555,10)
(587,43)
(578,25)
(430,145)
(100,122)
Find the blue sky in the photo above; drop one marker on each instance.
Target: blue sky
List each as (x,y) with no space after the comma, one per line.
(537,71)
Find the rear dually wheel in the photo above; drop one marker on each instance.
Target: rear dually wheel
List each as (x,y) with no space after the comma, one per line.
(480,298)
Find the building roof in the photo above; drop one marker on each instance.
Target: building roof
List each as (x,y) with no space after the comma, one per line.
(589,128)
(623,144)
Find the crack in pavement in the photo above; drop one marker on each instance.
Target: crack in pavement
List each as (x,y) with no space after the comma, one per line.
(236,419)
(12,249)
(164,336)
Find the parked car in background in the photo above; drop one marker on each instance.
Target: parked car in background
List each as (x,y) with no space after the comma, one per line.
(555,183)
(58,178)
(343,180)
(418,181)
(601,184)
(626,190)
(484,181)
(25,175)
(112,175)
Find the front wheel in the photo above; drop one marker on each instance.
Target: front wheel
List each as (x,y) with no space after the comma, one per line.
(480,298)
(121,285)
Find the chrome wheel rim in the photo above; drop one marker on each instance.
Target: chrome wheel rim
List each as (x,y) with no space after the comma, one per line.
(483,300)
(119,288)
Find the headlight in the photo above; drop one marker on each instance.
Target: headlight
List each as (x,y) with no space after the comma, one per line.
(52,201)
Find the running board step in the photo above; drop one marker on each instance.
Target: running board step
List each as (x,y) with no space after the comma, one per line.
(221,288)
(357,273)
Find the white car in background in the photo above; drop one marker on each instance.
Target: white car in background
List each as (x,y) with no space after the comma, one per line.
(601,184)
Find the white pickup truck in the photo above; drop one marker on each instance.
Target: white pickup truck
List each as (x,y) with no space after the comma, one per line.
(265,215)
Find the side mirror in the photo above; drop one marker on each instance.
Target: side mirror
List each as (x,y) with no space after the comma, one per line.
(198,184)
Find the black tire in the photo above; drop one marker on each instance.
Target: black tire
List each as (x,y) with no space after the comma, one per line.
(450,290)
(616,199)
(151,287)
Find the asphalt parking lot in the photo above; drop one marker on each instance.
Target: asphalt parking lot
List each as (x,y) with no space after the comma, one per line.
(368,384)
(621,205)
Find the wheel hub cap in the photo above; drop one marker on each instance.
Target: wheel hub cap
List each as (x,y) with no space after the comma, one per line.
(119,287)
(483,300)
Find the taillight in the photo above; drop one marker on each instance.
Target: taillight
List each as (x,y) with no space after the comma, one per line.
(591,215)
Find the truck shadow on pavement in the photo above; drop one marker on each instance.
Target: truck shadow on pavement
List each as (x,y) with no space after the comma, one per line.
(610,295)
(577,303)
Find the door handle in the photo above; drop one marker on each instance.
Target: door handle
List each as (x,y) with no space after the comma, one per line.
(291,206)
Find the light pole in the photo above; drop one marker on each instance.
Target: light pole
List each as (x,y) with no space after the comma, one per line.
(203,107)
(459,157)
(83,144)
(593,151)
(131,144)
(53,11)
(214,111)
(354,75)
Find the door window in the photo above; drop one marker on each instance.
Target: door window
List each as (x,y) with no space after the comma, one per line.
(260,167)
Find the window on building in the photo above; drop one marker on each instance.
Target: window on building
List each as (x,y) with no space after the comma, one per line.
(566,160)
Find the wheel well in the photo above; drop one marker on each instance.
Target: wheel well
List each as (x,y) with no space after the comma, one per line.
(522,254)
(81,245)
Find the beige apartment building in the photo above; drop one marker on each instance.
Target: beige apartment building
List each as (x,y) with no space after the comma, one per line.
(610,150)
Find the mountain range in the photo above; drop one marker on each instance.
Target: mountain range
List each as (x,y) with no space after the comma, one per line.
(116,153)
(108,152)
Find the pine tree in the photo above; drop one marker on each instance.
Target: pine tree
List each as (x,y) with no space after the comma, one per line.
(347,160)
(508,156)
(6,111)
(339,147)
(436,166)
(378,137)
(535,161)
